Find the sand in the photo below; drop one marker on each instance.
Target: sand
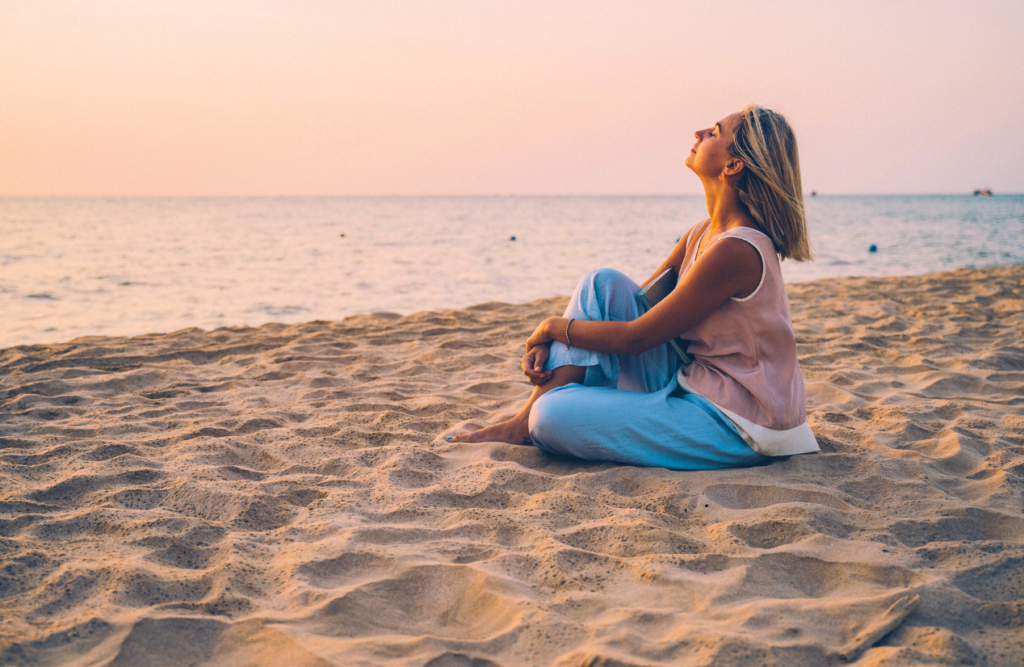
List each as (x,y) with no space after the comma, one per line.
(285,495)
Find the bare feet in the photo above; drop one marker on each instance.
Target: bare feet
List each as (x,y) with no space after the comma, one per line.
(515,431)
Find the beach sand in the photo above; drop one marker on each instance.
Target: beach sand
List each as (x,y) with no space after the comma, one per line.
(284,495)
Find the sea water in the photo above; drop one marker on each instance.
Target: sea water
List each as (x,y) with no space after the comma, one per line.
(75,267)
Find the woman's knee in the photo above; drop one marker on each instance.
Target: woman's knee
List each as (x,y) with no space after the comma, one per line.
(603,279)
(611,292)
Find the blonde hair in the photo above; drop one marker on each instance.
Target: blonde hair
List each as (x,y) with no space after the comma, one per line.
(770,187)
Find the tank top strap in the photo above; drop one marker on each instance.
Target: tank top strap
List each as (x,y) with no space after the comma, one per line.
(764,247)
(754,237)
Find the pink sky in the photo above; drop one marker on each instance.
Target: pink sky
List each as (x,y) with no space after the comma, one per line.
(124,98)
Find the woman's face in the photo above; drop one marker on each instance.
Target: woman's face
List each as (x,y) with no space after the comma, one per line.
(710,155)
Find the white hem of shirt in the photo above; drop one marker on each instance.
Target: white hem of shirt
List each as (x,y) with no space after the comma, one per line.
(764,440)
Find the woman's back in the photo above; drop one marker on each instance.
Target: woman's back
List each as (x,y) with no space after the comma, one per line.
(745,359)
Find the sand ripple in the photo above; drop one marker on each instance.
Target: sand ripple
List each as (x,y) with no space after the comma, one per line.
(284,495)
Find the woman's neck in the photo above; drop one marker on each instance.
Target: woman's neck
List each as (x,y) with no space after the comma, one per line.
(723,204)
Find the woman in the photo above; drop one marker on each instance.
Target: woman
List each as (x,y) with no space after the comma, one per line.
(608,385)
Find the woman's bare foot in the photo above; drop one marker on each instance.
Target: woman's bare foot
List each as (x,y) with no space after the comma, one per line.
(515,431)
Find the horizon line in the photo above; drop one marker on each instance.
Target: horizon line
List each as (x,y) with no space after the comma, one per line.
(494,195)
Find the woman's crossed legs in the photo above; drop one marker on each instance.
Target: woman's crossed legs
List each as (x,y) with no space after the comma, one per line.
(622,408)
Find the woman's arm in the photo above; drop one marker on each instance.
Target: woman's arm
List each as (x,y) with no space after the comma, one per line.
(730,267)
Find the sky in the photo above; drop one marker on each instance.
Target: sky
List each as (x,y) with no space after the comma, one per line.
(488,97)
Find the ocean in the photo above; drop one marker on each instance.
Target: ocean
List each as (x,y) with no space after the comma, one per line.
(78,267)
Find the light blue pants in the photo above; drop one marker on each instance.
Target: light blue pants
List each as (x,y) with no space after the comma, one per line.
(630,408)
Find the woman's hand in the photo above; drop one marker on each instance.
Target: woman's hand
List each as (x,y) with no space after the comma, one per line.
(541,335)
(533,365)
(537,350)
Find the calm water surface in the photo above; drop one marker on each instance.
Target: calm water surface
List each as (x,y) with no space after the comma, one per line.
(74,267)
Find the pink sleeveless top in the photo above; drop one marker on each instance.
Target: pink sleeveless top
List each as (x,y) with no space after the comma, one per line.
(744,356)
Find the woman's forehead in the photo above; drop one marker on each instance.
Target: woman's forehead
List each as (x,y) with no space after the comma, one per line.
(731,122)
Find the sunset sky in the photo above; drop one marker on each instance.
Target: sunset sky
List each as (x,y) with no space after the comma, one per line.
(189,98)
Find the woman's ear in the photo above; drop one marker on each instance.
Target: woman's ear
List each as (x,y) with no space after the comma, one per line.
(732,168)
(732,171)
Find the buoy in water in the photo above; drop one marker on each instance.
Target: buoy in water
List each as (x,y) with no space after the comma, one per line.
(872,248)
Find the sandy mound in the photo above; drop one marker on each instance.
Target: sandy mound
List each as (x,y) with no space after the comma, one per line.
(284,495)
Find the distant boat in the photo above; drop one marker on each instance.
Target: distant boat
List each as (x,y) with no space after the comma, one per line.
(983,193)
(814,193)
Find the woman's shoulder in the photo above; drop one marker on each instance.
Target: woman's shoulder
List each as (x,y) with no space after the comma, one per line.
(751,234)
(697,228)
(694,233)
